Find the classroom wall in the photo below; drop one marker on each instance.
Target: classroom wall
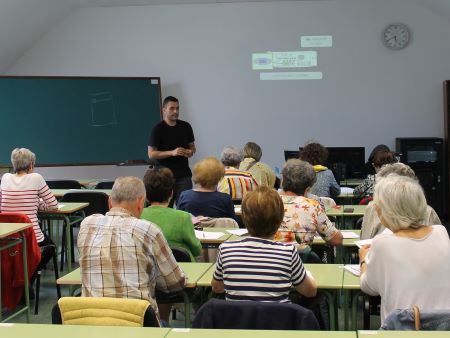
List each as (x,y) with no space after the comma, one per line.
(202,52)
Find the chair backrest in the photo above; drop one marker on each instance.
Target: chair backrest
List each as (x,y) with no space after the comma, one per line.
(180,254)
(63,184)
(12,264)
(222,314)
(104,311)
(221,222)
(105,184)
(366,200)
(414,319)
(14,217)
(98,201)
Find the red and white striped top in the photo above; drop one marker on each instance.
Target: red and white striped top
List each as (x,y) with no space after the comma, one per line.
(27,194)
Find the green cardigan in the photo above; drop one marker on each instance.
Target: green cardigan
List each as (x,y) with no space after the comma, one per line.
(177,227)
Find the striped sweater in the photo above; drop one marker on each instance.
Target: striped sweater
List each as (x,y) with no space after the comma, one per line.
(258,269)
(27,194)
(236,183)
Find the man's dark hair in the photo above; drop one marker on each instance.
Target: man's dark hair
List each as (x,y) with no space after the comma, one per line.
(169,99)
(158,184)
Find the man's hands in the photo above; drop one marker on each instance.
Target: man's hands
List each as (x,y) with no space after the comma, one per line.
(180,151)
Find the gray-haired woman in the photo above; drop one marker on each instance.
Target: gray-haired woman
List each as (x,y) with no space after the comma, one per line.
(410,266)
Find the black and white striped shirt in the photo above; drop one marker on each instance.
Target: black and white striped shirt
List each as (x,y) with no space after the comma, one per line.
(258,269)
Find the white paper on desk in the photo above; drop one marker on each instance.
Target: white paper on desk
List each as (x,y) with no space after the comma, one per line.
(237,210)
(363,242)
(354,269)
(60,206)
(349,234)
(208,234)
(238,232)
(346,190)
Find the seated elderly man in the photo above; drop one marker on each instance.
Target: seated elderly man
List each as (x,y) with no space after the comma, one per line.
(303,217)
(235,182)
(122,256)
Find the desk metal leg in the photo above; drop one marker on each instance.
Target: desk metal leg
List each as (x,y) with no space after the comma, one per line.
(331,299)
(25,274)
(187,309)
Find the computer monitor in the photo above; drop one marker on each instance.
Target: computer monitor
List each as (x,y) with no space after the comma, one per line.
(345,162)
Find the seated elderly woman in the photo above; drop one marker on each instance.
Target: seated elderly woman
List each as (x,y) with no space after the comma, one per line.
(235,182)
(176,225)
(304,217)
(410,266)
(326,185)
(380,158)
(371,225)
(26,192)
(262,173)
(204,199)
(257,267)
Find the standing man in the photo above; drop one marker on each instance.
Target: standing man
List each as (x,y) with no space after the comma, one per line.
(171,144)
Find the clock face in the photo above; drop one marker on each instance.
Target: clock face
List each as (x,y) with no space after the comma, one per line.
(396,36)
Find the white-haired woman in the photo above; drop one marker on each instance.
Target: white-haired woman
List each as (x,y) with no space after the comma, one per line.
(26,192)
(410,266)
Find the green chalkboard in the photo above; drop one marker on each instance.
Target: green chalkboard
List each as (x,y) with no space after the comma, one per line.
(78,120)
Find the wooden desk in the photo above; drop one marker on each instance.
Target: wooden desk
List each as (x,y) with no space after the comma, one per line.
(7,229)
(79,331)
(64,213)
(208,333)
(193,271)
(351,182)
(338,211)
(403,334)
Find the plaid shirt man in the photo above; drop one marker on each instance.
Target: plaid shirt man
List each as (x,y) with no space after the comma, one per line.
(122,256)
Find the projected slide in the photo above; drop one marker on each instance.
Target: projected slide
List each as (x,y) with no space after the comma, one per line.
(286,65)
(271,60)
(315,41)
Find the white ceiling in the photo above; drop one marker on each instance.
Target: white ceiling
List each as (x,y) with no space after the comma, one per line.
(23,22)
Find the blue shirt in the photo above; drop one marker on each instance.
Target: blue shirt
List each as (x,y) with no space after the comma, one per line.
(209,204)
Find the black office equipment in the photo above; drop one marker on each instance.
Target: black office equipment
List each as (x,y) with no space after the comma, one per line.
(78,120)
(345,162)
(425,155)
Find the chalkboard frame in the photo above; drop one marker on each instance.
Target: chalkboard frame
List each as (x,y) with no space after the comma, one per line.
(151,79)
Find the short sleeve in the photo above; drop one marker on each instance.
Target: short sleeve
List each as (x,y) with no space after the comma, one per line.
(325,227)
(298,270)
(190,134)
(154,139)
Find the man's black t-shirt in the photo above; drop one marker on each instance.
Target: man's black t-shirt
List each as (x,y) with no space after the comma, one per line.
(164,137)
